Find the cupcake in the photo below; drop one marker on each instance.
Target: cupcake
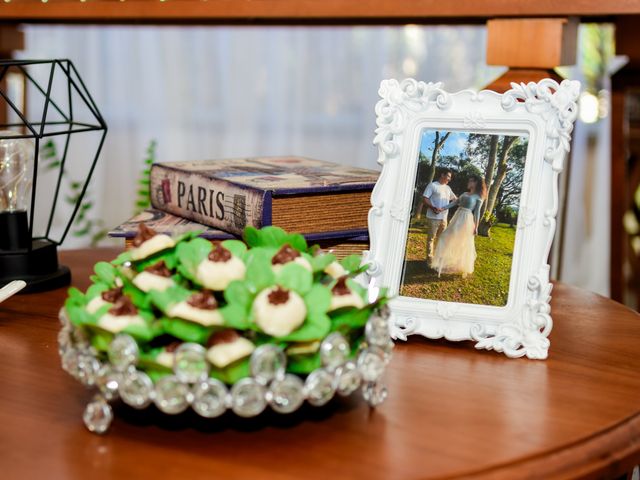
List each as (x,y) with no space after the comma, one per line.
(343,296)
(154,277)
(148,242)
(220,268)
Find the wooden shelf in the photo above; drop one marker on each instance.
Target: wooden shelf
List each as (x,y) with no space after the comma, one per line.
(303,11)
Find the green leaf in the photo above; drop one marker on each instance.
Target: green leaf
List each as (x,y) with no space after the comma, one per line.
(315,327)
(105,272)
(164,300)
(96,289)
(351,263)
(143,333)
(235,316)
(236,247)
(273,236)
(297,241)
(78,315)
(124,257)
(75,297)
(232,373)
(186,331)
(318,300)
(252,236)
(259,274)
(101,339)
(140,299)
(168,256)
(237,293)
(295,277)
(322,261)
(350,318)
(190,254)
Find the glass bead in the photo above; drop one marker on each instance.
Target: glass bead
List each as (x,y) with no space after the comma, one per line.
(64,318)
(70,362)
(267,362)
(334,350)
(88,367)
(97,416)
(64,340)
(377,331)
(172,396)
(348,378)
(319,387)
(123,352)
(107,381)
(248,398)
(371,363)
(190,364)
(79,338)
(210,398)
(384,311)
(374,393)
(136,389)
(286,394)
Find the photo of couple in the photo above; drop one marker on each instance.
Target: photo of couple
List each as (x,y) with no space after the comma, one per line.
(464,215)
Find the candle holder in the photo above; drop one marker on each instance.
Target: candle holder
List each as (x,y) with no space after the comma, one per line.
(60,107)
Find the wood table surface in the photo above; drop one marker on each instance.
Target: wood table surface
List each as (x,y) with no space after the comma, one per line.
(452,411)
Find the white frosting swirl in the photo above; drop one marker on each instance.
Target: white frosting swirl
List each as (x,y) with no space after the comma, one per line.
(217,275)
(147,281)
(281,319)
(155,244)
(117,323)
(202,316)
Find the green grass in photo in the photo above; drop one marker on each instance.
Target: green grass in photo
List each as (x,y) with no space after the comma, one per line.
(488,285)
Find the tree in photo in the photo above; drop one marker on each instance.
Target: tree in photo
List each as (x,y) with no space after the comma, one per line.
(427,169)
(438,143)
(502,157)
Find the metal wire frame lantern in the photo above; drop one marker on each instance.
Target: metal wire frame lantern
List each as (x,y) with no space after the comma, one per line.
(65,111)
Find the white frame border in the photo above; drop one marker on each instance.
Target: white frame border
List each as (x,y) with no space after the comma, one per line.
(546,112)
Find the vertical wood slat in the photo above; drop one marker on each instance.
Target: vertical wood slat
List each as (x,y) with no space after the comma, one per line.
(11,39)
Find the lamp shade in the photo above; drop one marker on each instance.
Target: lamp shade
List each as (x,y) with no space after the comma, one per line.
(43,104)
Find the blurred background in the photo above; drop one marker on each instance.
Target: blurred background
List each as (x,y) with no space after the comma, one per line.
(173,93)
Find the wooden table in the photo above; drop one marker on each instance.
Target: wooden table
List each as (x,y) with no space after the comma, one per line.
(451,411)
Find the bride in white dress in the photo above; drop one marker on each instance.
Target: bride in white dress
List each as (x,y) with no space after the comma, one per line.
(455,251)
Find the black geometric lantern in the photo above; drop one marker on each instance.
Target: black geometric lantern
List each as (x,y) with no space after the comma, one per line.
(42,103)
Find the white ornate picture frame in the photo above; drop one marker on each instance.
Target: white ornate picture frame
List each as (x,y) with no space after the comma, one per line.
(545,111)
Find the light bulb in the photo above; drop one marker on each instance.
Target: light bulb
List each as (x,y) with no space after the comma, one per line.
(16,170)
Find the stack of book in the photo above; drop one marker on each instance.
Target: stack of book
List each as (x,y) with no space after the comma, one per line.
(328,203)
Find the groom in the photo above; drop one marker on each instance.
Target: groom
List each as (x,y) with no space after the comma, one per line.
(436,196)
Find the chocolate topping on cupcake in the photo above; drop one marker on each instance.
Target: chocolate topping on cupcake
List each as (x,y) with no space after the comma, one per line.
(341,287)
(144,234)
(278,296)
(123,306)
(286,254)
(172,347)
(159,268)
(203,300)
(112,295)
(223,336)
(219,254)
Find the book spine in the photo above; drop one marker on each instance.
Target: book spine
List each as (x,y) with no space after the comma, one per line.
(214,202)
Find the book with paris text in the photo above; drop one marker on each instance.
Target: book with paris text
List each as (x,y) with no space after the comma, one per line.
(298,194)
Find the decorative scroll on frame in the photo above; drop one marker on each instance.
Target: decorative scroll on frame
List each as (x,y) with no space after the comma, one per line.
(481,273)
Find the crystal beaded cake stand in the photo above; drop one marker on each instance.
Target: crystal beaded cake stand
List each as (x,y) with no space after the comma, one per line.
(116,376)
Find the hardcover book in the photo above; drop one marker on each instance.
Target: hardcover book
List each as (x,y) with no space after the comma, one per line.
(340,243)
(297,194)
